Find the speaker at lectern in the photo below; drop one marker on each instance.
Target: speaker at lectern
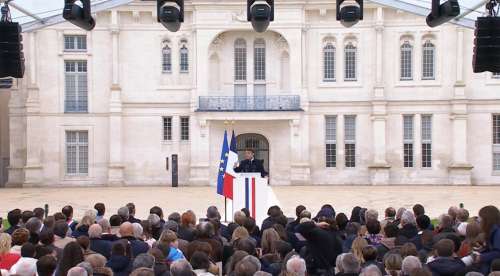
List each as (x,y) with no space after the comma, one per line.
(250,191)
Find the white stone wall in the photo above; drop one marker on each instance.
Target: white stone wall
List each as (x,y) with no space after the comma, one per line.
(129,95)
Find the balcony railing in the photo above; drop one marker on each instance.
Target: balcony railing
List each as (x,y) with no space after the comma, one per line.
(243,103)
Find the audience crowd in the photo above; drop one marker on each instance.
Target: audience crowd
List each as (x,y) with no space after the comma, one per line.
(398,243)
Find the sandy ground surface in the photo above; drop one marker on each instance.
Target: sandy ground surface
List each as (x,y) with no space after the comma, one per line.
(343,198)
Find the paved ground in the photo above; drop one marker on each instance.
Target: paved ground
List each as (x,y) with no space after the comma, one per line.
(343,198)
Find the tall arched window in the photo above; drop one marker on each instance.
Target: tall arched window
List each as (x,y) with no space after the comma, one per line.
(259,49)
(428,61)
(240,60)
(329,62)
(166,52)
(406,72)
(184,57)
(350,62)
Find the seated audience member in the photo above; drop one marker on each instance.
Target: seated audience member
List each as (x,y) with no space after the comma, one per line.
(160,266)
(143,272)
(444,228)
(131,213)
(296,266)
(371,270)
(34,225)
(169,238)
(159,212)
(490,224)
(205,232)
(342,221)
(87,266)
(291,225)
(410,263)
(14,218)
(370,255)
(408,226)
(97,244)
(68,213)
(98,264)
(444,263)
(61,238)
(350,265)
(19,237)
(352,232)
(408,249)
(123,213)
(120,261)
(473,239)
(187,227)
(462,221)
(26,265)
(155,222)
(247,266)
(7,259)
(143,260)
(47,239)
(390,217)
(423,224)
(274,213)
(107,234)
(115,221)
(200,263)
(373,228)
(418,210)
(82,228)
(181,268)
(100,208)
(72,255)
(25,216)
(127,233)
(147,234)
(46,265)
(393,263)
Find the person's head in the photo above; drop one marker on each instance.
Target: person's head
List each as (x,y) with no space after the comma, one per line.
(198,246)
(131,208)
(352,228)
(126,229)
(240,233)
(489,216)
(46,237)
(247,266)
(33,225)
(237,256)
(452,212)
(420,272)
(205,230)
(393,262)
(176,217)
(462,215)
(49,222)
(423,222)
(121,248)
(157,254)
(299,209)
(143,260)
(28,250)
(95,231)
(123,213)
(357,247)
(46,265)
(61,228)
(369,253)
(249,154)
(181,268)
(59,216)
(408,249)
(105,225)
(391,230)
(445,221)
(77,271)
(5,243)
(84,242)
(350,264)
(418,209)
(156,210)
(100,209)
(269,237)
(213,213)
(20,236)
(68,212)
(14,217)
(188,219)
(472,231)
(26,215)
(169,238)
(444,248)
(371,270)
(115,220)
(373,226)
(91,214)
(96,260)
(407,218)
(250,225)
(246,245)
(341,220)
(283,248)
(240,218)
(200,260)
(371,214)
(296,266)
(137,230)
(409,264)
(154,221)
(39,213)
(71,256)
(87,266)
(142,271)
(390,213)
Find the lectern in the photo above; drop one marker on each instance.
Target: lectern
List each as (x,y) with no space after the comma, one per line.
(250,191)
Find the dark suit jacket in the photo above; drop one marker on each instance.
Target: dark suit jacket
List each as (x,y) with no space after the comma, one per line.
(252,166)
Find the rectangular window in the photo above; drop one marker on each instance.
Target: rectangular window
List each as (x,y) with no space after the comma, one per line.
(350,140)
(496,142)
(408,141)
(184,128)
(184,64)
(406,72)
(350,63)
(75,43)
(167,128)
(331,141)
(426,135)
(240,64)
(76,92)
(77,153)
(260,62)
(428,61)
(329,63)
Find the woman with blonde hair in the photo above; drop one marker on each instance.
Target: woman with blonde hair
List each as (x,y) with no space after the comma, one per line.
(239,233)
(269,237)
(82,228)
(7,259)
(357,248)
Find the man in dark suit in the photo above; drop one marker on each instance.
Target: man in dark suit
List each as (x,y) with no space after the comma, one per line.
(250,164)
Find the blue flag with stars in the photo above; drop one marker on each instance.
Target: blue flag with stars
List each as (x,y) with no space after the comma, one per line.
(222,165)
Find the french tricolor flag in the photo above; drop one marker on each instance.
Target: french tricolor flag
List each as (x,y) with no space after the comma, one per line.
(226,173)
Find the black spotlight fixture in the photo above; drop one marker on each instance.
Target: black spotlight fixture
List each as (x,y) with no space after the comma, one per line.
(349,14)
(486,55)
(79,15)
(260,13)
(442,13)
(11,47)
(170,13)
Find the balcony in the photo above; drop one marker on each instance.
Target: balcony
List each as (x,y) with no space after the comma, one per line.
(243,103)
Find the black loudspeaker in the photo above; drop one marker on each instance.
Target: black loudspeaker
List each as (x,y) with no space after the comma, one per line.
(11,50)
(487,45)
(175,171)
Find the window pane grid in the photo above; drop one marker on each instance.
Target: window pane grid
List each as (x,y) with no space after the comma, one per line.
(350,140)
(166,59)
(77,153)
(426,135)
(240,60)
(331,141)
(350,63)
(184,128)
(329,63)
(408,155)
(428,55)
(260,60)
(184,64)
(76,90)
(496,141)
(167,128)
(406,61)
(350,155)
(331,155)
(75,43)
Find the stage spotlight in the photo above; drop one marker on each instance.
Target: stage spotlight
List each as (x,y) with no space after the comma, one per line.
(260,13)
(170,13)
(442,13)
(486,55)
(79,16)
(349,15)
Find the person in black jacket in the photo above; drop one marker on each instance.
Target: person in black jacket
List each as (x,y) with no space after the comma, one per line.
(250,164)
(444,264)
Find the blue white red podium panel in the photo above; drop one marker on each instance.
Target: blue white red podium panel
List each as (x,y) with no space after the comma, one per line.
(250,191)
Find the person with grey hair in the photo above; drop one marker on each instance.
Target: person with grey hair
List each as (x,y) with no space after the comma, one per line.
(371,270)
(143,260)
(137,230)
(97,244)
(206,233)
(247,266)
(106,230)
(410,263)
(123,213)
(175,216)
(262,273)
(87,266)
(181,268)
(77,271)
(350,265)
(408,225)
(371,215)
(296,266)
(34,225)
(156,225)
(338,264)
(143,272)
